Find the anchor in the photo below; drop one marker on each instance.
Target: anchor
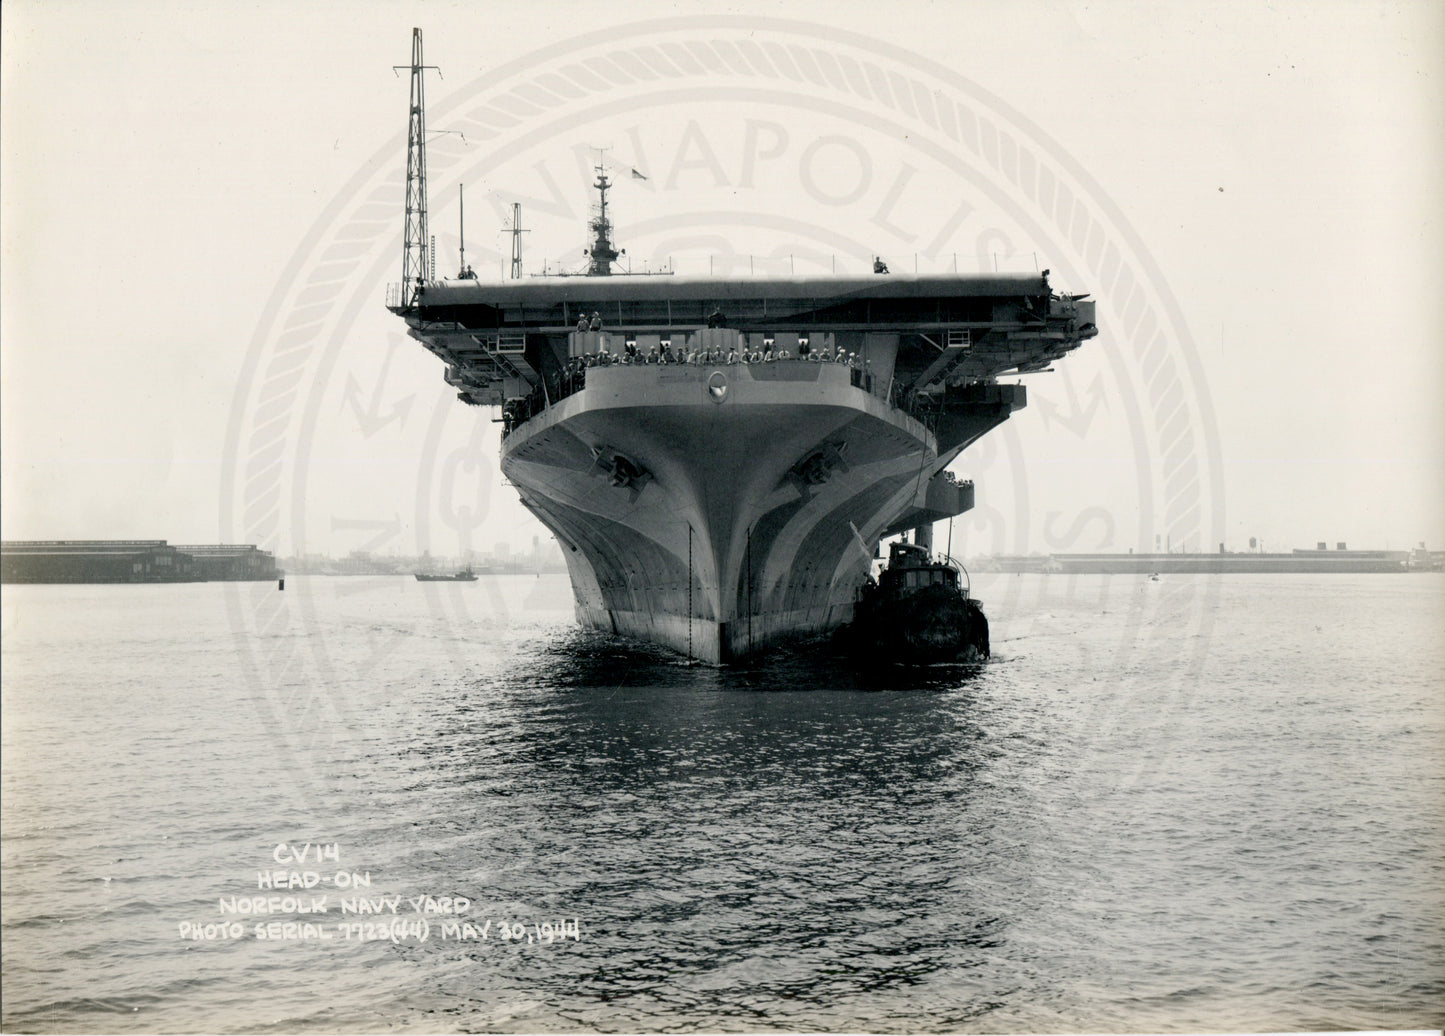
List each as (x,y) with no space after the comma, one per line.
(621,471)
(817,467)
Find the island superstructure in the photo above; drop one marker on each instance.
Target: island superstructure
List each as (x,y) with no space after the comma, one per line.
(719,457)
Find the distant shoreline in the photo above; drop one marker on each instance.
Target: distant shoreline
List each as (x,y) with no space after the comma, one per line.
(1295,562)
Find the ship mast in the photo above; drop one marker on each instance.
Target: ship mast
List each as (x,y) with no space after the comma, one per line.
(602,253)
(517,233)
(414,260)
(465,273)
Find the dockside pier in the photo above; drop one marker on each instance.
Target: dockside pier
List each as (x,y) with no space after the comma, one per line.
(131,561)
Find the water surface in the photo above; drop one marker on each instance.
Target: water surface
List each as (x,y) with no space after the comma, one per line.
(1208,803)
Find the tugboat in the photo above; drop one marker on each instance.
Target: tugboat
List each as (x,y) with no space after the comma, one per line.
(466,575)
(1421,560)
(917,612)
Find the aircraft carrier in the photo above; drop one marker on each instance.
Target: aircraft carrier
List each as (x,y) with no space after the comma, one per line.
(719,457)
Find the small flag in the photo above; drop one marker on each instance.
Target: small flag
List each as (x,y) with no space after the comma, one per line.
(637,176)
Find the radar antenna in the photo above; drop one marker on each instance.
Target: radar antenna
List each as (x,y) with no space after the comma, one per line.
(465,273)
(415,260)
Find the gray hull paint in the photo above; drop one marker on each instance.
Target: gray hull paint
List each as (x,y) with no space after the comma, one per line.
(722,545)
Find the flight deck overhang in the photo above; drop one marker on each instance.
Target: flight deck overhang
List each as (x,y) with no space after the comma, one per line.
(555,304)
(917,335)
(544,291)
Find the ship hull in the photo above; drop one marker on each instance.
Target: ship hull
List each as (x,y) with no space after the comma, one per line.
(714,510)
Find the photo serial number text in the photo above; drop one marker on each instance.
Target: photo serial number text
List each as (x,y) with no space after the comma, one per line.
(397,930)
(344,908)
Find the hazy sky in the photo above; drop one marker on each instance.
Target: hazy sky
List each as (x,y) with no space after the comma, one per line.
(176,178)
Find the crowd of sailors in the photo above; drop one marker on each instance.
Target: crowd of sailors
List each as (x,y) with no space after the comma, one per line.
(713,355)
(573,375)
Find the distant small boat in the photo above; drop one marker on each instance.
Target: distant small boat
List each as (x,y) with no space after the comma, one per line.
(466,575)
(1421,560)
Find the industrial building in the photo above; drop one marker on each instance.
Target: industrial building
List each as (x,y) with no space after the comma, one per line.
(128,561)
(221,561)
